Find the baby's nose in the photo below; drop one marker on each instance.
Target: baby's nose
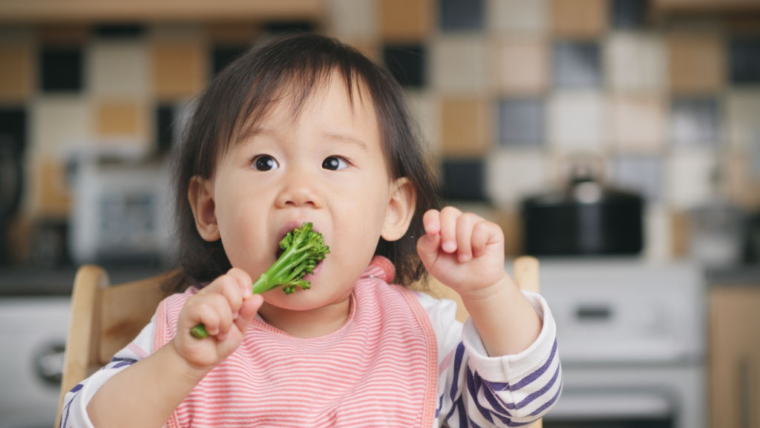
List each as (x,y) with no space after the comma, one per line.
(299,191)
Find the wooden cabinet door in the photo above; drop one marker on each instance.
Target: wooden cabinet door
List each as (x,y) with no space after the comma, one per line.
(734,357)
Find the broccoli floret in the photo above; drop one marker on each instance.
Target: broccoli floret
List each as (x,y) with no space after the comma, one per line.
(303,249)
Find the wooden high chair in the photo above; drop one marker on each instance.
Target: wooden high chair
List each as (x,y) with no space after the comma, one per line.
(105,318)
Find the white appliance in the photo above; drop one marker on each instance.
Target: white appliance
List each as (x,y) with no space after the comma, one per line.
(631,338)
(33,335)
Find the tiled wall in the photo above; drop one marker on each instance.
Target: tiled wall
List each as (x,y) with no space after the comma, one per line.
(507,92)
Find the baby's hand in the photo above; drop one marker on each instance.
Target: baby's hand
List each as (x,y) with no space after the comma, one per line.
(463,251)
(225,307)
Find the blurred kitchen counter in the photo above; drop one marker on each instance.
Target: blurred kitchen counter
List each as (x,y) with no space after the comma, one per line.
(35,281)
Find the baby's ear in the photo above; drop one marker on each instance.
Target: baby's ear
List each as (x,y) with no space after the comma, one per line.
(400,209)
(200,194)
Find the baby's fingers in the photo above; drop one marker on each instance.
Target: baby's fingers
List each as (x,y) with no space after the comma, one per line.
(481,234)
(449,217)
(213,311)
(464,227)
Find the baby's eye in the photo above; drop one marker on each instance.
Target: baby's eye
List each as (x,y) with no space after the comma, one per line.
(265,163)
(334,163)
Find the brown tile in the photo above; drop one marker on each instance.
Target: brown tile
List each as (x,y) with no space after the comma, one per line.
(179,69)
(510,223)
(696,63)
(49,194)
(579,18)
(638,123)
(367,48)
(20,239)
(16,72)
(233,33)
(121,119)
(679,229)
(739,183)
(406,20)
(520,66)
(465,126)
(73,34)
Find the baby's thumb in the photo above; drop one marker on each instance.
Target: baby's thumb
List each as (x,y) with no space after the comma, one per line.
(248,311)
(427,248)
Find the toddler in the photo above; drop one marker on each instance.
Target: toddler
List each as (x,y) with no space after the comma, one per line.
(299,129)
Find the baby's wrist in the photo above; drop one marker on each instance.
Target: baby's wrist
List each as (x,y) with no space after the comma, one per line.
(188,369)
(499,288)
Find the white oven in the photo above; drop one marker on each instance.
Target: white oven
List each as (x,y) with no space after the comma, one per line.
(631,336)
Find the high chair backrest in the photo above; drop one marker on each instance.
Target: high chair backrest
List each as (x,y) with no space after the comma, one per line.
(105,318)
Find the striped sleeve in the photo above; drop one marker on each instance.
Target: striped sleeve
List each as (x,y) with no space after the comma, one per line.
(74,412)
(477,390)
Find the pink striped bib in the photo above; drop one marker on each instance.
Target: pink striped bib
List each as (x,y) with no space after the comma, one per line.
(379,369)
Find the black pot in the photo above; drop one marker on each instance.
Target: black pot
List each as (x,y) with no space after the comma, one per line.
(585,218)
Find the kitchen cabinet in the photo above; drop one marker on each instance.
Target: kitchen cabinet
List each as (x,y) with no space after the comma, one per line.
(150,10)
(734,356)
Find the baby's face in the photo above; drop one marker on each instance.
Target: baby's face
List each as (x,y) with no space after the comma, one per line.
(327,167)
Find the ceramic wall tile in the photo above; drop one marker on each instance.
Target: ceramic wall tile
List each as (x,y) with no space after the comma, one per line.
(658,234)
(628,14)
(577,121)
(118,68)
(406,21)
(638,123)
(123,31)
(521,65)
(464,180)
(407,63)
(521,122)
(425,109)
(696,62)
(61,69)
(642,174)
(48,195)
(636,62)
(224,54)
(689,177)
(695,121)
(577,64)
(13,126)
(744,60)
(513,175)
(459,65)
(510,16)
(579,18)
(244,33)
(461,15)
(59,123)
(179,69)
(741,179)
(122,121)
(742,113)
(353,19)
(17,71)
(465,127)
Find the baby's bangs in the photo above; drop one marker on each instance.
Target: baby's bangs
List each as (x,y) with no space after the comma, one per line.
(296,75)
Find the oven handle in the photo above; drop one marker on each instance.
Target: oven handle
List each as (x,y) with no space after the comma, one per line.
(585,405)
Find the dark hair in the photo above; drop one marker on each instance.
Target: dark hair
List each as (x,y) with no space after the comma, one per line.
(245,91)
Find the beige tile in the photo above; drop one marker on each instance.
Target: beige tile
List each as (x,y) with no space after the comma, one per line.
(696,62)
(512,175)
(636,62)
(657,234)
(425,109)
(59,123)
(406,20)
(121,120)
(680,232)
(743,111)
(577,121)
(179,69)
(638,123)
(579,18)
(460,65)
(465,127)
(521,65)
(740,183)
(17,72)
(689,178)
(118,69)
(353,19)
(48,194)
(366,47)
(508,16)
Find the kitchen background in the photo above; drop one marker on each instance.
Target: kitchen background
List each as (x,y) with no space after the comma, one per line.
(652,103)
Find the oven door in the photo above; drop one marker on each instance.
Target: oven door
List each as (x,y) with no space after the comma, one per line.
(608,409)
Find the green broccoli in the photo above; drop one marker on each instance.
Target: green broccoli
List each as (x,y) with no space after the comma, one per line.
(303,249)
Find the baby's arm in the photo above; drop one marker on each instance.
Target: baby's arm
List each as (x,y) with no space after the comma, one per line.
(146,393)
(466,253)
